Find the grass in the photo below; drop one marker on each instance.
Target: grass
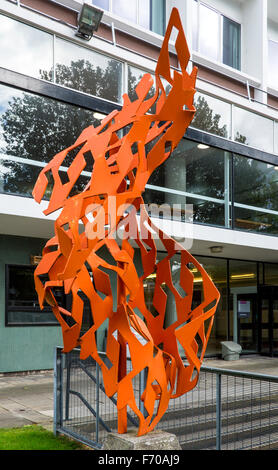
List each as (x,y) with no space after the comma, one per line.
(35,438)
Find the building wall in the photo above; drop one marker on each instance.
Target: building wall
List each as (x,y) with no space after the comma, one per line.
(23,348)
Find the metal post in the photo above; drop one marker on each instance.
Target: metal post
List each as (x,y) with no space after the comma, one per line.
(97,403)
(68,364)
(57,389)
(218,411)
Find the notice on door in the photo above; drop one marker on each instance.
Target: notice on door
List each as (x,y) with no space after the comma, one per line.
(243,308)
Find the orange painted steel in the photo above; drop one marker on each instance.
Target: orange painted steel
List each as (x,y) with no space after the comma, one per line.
(81,258)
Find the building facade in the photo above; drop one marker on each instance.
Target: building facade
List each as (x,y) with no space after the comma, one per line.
(54,83)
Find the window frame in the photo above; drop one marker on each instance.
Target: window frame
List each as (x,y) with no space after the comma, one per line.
(7,308)
(220,51)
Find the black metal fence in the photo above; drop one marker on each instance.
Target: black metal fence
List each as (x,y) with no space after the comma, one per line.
(229,410)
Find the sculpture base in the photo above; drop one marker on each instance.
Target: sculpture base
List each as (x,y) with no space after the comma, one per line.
(155,440)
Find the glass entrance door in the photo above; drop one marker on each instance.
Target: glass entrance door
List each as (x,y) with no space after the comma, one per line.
(268,320)
(247,316)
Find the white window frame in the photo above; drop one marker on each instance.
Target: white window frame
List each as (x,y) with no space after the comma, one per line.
(220,38)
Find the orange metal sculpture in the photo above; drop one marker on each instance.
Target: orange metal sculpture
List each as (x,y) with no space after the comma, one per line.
(73,259)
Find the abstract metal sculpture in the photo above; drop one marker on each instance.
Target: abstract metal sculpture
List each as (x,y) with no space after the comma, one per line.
(73,262)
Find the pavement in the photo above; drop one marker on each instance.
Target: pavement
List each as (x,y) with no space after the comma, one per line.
(27,398)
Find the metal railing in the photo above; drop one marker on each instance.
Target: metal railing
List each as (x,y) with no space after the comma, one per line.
(228,410)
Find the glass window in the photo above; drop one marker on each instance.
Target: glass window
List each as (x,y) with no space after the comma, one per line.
(215,34)
(25,49)
(22,307)
(194,174)
(147,13)
(273,63)
(157,16)
(126,9)
(231,43)
(35,128)
(195,25)
(276,136)
(270,274)
(243,304)
(102,4)
(255,185)
(212,115)
(85,70)
(253,129)
(217,270)
(209,32)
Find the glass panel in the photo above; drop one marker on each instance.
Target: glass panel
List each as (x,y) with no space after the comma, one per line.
(144,13)
(243,289)
(194,168)
(246,125)
(255,184)
(212,115)
(26,49)
(209,32)
(217,270)
(126,9)
(231,43)
(265,326)
(195,25)
(276,135)
(18,178)
(270,274)
(198,170)
(205,212)
(85,70)
(23,306)
(273,63)
(37,128)
(157,16)
(102,4)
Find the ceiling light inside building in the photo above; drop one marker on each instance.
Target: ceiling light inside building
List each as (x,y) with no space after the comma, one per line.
(203,146)
(89,20)
(243,276)
(99,116)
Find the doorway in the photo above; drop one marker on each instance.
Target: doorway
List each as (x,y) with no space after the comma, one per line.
(247,319)
(268,320)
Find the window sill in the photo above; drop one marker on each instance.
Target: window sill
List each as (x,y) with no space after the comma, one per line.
(224,69)
(272,91)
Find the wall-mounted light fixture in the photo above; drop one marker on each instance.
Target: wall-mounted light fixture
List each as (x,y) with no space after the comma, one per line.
(216,249)
(89,20)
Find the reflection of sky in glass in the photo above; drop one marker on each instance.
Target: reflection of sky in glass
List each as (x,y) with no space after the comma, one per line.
(273,63)
(125,9)
(144,13)
(24,49)
(209,33)
(67,52)
(195,25)
(218,107)
(247,125)
(102,4)
(276,137)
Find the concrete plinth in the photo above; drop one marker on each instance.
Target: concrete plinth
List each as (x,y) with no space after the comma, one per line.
(155,440)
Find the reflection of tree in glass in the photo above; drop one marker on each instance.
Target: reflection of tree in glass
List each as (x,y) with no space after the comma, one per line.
(83,76)
(206,120)
(37,128)
(242,139)
(256,184)
(133,81)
